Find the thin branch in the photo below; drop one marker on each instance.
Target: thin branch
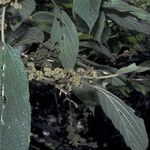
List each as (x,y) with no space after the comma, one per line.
(101,77)
(54,3)
(3,25)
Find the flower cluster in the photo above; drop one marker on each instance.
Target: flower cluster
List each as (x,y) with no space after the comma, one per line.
(16,4)
(42,57)
(13,3)
(4,2)
(65,79)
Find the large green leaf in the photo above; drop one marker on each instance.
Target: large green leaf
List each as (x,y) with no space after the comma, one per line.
(88,10)
(124,119)
(130,23)
(64,36)
(15,111)
(124,7)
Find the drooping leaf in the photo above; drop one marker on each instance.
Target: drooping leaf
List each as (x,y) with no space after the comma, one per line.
(124,119)
(15,111)
(64,36)
(28,7)
(130,23)
(125,7)
(88,10)
(33,35)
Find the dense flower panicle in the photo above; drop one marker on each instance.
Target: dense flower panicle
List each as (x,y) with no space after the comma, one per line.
(63,78)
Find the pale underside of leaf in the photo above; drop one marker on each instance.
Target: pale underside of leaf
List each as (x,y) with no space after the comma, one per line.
(122,116)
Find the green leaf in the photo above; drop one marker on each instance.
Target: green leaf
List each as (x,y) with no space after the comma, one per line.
(12,37)
(145,66)
(87,97)
(142,85)
(33,35)
(100,27)
(43,20)
(106,34)
(88,10)
(131,68)
(124,7)
(28,7)
(124,119)
(98,47)
(117,82)
(85,36)
(130,23)
(64,36)
(15,111)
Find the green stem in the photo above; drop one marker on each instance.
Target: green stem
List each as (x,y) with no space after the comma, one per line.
(102,77)
(54,3)
(3,25)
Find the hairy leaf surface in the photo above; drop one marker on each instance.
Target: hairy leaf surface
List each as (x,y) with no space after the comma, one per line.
(131,23)
(15,111)
(124,7)
(65,38)
(88,10)
(124,119)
